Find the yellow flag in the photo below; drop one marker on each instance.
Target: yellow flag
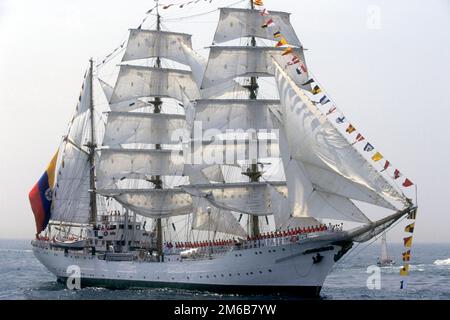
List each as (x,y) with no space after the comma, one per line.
(51,171)
(405,270)
(316,90)
(287,51)
(410,228)
(377,157)
(282,42)
(407,242)
(406,255)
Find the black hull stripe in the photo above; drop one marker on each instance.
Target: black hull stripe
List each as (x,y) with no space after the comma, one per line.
(297,291)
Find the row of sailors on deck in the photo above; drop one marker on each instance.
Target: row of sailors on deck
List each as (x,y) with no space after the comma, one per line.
(289,232)
(264,236)
(201,244)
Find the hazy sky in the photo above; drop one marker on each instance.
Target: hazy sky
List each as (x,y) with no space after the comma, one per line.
(385,63)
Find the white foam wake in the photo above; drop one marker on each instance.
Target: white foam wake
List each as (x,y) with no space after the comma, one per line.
(445,262)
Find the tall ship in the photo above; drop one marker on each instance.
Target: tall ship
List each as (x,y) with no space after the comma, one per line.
(236,173)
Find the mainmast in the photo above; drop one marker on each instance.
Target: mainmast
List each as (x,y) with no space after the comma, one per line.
(156,180)
(252,172)
(92,146)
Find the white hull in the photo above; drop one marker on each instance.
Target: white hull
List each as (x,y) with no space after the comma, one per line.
(282,268)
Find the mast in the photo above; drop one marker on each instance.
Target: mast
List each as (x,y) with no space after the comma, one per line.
(253,173)
(92,145)
(156,180)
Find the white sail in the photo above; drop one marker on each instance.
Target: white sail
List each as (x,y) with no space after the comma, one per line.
(229,89)
(129,105)
(119,164)
(146,128)
(235,23)
(331,182)
(249,198)
(235,114)
(144,44)
(305,198)
(227,63)
(384,252)
(214,173)
(229,151)
(215,220)
(138,81)
(107,89)
(313,139)
(71,194)
(154,203)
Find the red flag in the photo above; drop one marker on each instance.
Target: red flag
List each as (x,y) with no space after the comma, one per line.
(294,60)
(332,109)
(264,12)
(407,183)
(397,174)
(386,165)
(359,138)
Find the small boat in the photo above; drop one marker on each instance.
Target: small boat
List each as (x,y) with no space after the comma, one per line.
(384,260)
(69,244)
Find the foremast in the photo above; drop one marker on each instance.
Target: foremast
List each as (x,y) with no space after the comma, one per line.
(156,180)
(92,145)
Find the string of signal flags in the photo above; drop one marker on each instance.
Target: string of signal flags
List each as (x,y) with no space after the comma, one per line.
(407,243)
(301,69)
(323,100)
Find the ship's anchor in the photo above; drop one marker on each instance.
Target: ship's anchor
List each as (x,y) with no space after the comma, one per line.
(317,258)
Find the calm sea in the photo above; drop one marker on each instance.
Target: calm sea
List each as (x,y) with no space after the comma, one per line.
(23,277)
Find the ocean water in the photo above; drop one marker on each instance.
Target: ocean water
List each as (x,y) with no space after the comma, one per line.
(23,277)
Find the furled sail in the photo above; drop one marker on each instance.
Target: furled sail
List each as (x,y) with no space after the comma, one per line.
(312,139)
(138,81)
(235,23)
(144,44)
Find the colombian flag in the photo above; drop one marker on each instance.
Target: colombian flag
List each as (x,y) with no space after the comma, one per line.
(41,196)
